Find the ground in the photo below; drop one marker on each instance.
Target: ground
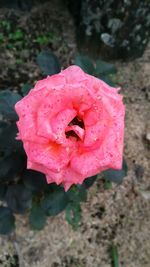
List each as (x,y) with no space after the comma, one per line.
(119,216)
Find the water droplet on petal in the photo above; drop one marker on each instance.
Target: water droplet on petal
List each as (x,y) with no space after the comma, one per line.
(95,107)
(67,149)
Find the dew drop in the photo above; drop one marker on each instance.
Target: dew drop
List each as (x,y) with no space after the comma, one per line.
(67,149)
(96,108)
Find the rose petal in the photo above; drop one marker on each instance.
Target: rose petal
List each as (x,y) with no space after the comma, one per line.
(78,130)
(51,106)
(53,156)
(51,82)
(74,74)
(59,124)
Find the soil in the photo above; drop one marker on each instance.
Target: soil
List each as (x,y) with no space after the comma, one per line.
(119,216)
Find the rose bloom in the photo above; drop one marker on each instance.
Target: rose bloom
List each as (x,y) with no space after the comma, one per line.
(72,126)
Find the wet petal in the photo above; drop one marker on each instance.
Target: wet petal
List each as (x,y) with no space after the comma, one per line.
(74,74)
(60,122)
(78,130)
(53,156)
(51,82)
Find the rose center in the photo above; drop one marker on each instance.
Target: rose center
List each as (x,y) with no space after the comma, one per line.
(74,127)
(77,121)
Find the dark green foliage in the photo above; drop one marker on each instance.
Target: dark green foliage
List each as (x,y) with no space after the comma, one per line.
(89,181)
(107,184)
(85,63)
(7,221)
(104,68)
(18,198)
(77,193)
(99,68)
(33,180)
(26,88)
(119,28)
(8,140)
(116,176)
(24,5)
(3,125)
(37,217)
(3,189)
(7,101)
(73,214)
(48,63)
(10,167)
(54,202)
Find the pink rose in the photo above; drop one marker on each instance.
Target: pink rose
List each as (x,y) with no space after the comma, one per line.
(72,127)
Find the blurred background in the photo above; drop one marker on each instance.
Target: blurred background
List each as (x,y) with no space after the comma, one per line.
(114,38)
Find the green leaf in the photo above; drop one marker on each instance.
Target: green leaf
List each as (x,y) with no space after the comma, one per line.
(37,217)
(42,40)
(7,101)
(26,88)
(5,25)
(18,198)
(17,35)
(73,214)
(48,63)
(116,176)
(8,139)
(107,185)
(77,193)
(107,80)
(7,221)
(114,255)
(85,63)
(88,182)
(3,189)
(55,202)
(11,166)
(3,125)
(104,68)
(34,180)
